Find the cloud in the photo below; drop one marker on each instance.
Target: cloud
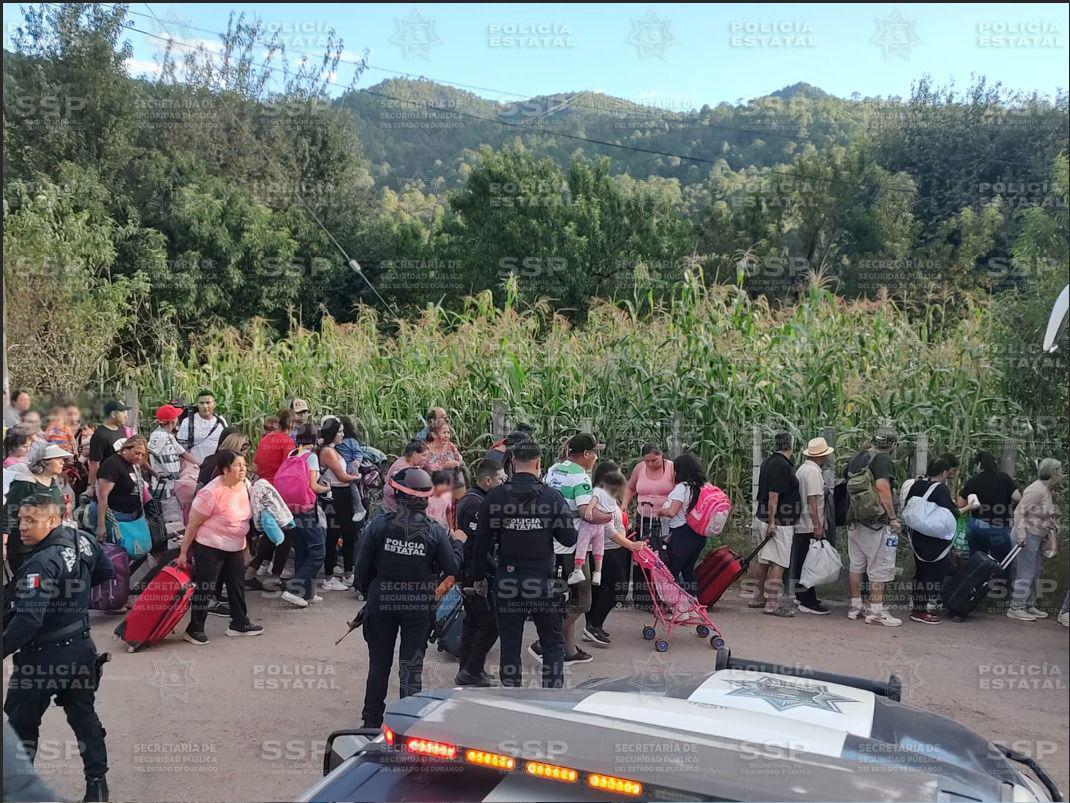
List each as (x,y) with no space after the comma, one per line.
(140,67)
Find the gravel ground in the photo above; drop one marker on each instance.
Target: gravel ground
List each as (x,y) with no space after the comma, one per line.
(245,718)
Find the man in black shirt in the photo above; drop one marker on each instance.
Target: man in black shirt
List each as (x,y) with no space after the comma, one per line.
(778,508)
(479,630)
(521,520)
(107,439)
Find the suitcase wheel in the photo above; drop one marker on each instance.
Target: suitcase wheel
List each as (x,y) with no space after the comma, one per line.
(661,645)
(702,631)
(724,655)
(649,633)
(717,643)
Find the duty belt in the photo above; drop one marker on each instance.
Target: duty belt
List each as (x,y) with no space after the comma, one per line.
(62,634)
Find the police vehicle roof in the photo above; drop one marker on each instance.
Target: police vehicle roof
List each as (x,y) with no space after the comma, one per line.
(735,734)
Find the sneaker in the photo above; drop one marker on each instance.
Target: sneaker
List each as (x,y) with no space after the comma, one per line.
(596,578)
(1037,612)
(746,593)
(253,584)
(487,676)
(1021,615)
(264,570)
(817,609)
(577,576)
(925,617)
(199,639)
(287,574)
(315,598)
(578,657)
(535,650)
(883,618)
(338,571)
(1064,619)
(219,609)
(335,584)
(248,629)
(595,634)
(855,613)
(295,600)
(348,580)
(468,679)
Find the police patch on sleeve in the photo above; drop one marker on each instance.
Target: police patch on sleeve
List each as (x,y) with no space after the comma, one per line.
(69,557)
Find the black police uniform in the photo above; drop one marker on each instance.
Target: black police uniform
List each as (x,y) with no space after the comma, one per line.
(49,633)
(479,630)
(400,558)
(522,519)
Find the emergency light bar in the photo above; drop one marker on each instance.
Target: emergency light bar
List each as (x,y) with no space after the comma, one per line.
(537,769)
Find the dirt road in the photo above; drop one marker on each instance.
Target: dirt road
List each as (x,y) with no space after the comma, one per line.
(245,719)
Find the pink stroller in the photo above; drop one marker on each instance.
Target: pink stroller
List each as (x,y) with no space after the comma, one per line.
(672,605)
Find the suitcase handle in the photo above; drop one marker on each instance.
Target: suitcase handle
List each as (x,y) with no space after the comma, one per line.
(1011,555)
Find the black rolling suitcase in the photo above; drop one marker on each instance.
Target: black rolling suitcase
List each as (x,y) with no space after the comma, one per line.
(967,588)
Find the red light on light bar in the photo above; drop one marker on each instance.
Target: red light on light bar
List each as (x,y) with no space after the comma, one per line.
(425,747)
(388,735)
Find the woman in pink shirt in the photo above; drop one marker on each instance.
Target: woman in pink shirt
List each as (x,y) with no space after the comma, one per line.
(218,527)
(650,484)
(652,480)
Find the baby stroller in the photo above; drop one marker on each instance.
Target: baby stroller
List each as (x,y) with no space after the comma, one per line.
(673,607)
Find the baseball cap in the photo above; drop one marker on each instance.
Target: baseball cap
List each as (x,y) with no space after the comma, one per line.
(299,406)
(584,442)
(114,406)
(167,412)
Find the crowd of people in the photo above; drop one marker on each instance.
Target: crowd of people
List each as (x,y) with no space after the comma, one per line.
(520,542)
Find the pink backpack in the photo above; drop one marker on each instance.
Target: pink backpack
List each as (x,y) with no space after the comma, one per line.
(292,483)
(710,513)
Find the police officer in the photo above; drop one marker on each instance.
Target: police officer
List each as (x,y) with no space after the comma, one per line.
(521,519)
(479,630)
(48,629)
(400,559)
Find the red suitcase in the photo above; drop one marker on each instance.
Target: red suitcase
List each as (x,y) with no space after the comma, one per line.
(158,609)
(720,569)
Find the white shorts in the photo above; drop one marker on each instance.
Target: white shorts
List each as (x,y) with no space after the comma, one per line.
(778,550)
(872,551)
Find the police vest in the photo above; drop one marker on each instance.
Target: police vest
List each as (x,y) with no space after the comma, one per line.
(524,531)
(68,609)
(408,549)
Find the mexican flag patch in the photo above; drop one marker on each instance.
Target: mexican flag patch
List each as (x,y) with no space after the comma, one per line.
(30,582)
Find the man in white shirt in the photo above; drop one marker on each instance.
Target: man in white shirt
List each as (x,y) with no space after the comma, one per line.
(207,427)
(811,523)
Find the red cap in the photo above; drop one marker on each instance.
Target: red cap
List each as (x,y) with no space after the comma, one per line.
(167,412)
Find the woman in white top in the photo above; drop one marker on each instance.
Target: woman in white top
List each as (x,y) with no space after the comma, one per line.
(338,506)
(685,545)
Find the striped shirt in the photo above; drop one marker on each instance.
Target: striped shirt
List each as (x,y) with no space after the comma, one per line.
(575,485)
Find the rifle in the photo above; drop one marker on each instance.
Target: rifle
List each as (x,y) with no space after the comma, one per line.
(356,622)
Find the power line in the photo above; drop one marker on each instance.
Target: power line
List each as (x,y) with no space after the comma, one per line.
(350,262)
(568,102)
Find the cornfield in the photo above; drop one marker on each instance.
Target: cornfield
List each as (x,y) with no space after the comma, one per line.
(724,362)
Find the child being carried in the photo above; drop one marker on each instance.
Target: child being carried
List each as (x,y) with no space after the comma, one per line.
(593,536)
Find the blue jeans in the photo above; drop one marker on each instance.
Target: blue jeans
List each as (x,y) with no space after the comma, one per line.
(983,537)
(310,547)
(1028,566)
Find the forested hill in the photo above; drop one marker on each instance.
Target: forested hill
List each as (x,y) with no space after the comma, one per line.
(419,131)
